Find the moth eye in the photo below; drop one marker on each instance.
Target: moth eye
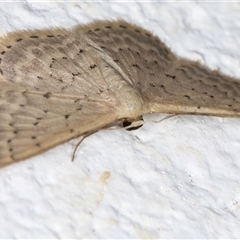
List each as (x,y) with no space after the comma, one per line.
(126,123)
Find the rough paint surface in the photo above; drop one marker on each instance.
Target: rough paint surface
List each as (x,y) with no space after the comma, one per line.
(146,183)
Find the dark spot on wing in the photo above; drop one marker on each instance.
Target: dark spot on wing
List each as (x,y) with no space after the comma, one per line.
(170,76)
(47,95)
(135,65)
(76,74)
(93,66)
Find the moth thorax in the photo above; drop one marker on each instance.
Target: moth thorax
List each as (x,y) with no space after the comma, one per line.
(131,102)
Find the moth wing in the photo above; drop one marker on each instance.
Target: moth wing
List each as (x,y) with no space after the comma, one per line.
(191,88)
(31,124)
(53,88)
(167,83)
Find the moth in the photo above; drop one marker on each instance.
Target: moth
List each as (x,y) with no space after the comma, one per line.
(58,84)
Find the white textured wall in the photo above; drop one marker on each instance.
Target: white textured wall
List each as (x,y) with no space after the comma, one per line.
(176,179)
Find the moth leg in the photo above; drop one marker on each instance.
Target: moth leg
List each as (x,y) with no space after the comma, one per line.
(124,123)
(79,142)
(173,115)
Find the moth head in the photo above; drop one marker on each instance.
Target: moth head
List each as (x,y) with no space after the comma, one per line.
(132,124)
